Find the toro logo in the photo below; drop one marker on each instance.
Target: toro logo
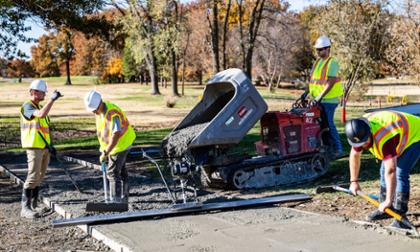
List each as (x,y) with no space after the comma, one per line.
(242,111)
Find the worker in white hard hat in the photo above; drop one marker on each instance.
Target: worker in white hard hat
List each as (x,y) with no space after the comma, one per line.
(35,138)
(326,89)
(115,136)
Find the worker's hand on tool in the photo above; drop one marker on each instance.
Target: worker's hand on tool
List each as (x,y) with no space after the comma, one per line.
(55,95)
(313,103)
(53,151)
(384,205)
(103,156)
(354,187)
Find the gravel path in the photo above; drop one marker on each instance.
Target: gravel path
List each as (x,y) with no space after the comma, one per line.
(18,234)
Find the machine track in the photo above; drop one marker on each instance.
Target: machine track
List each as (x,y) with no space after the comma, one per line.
(269,171)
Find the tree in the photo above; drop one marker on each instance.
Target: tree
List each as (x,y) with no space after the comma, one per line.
(65,49)
(402,54)
(247,41)
(44,56)
(142,24)
(18,68)
(358,30)
(51,13)
(12,29)
(275,53)
(196,44)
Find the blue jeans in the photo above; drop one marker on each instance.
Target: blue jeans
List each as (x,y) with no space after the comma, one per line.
(405,163)
(329,110)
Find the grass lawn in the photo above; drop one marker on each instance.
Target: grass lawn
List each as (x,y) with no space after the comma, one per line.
(74,128)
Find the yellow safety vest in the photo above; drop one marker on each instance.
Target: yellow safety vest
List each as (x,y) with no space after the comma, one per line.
(318,80)
(29,129)
(104,125)
(387,124)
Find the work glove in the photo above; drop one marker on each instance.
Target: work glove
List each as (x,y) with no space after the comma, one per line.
(103,157)
(313,103)
(53,151)
(303,96)
(55,95)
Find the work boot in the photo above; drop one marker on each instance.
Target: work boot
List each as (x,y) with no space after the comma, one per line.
(34,205)
(27,211)
(401,207)
(115,191)
(125,191)
(376,214)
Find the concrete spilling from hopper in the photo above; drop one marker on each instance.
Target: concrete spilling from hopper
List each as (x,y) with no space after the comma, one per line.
(176,143)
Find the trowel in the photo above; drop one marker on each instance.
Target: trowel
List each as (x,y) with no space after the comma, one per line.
(107,205)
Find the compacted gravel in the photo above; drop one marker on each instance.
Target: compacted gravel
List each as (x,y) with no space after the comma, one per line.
(17,234)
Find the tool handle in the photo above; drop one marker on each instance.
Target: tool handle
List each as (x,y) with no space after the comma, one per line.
(105,181)
(341,189)
(376,203)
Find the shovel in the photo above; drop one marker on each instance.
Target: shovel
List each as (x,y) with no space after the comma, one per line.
(373,199)
(107,205)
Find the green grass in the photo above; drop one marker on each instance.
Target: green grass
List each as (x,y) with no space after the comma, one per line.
(76,80)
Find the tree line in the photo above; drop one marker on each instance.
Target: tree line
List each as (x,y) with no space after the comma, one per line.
(159,41)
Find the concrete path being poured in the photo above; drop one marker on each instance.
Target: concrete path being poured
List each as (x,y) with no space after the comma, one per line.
(258,229)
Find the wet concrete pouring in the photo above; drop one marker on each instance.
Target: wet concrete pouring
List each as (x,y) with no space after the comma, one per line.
(262,229)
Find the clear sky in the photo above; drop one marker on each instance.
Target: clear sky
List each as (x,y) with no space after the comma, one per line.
(37,30)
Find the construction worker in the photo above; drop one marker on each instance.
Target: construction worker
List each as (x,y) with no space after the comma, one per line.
(115,136)
(35,138)
(325,88)
(394,138)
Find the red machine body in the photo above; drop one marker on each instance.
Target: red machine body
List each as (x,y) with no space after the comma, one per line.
(290,133)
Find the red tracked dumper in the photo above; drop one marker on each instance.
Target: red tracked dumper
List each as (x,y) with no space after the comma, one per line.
(203,148)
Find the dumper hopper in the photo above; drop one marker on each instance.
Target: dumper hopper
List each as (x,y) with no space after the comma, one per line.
(229,108)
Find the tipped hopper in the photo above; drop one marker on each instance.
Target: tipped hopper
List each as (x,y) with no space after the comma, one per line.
(230,107)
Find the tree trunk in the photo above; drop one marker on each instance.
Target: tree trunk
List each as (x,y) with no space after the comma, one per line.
(214,31)
(68,81)
(200,77)
(224,36)
(151,65)
(183,76)
(241,33)
(174,73)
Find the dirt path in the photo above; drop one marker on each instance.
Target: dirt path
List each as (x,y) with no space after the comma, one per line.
(18,234)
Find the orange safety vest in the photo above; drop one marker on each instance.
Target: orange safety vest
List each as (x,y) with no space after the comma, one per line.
(387,124)
(30,130)
(104,129)
(319,79)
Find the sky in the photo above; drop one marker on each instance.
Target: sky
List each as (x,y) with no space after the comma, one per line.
(37,29)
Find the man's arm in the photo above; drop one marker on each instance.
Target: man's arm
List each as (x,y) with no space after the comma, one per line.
(41,113)
(354,165)
(391,181)
(328,87)
(114,140)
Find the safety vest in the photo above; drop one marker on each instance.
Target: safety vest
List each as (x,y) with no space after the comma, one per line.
(318,80)
(104,125)
(385,125)
(30,130)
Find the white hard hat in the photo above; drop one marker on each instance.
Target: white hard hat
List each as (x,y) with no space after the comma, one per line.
(322,42)
(92,100)
(39,85)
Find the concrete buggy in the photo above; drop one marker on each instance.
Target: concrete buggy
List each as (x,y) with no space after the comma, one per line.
(203,148)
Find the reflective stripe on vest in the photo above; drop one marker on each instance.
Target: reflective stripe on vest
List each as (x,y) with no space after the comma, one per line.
(104,129)
(319,78)
(387,124)
(29,129)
